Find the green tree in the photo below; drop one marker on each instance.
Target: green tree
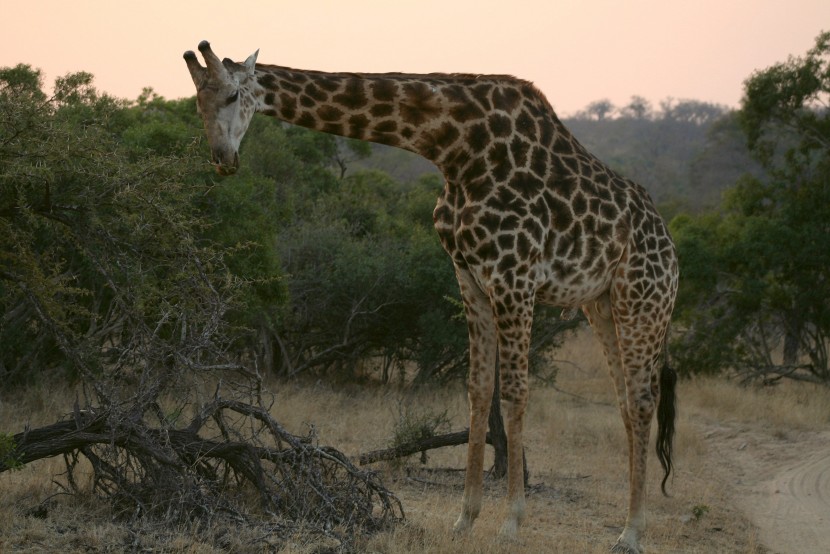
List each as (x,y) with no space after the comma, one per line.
(599,109)
(757,271)
(116,271)
(104,269)
(368,283)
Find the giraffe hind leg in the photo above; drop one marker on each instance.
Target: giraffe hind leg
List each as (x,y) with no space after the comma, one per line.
(632,355)
(605,331)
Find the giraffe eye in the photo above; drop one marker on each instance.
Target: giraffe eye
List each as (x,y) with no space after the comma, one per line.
(232,98)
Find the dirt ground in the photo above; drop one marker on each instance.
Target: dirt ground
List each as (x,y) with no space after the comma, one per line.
(739,487)
(782,482)
(766,451)
(752,472)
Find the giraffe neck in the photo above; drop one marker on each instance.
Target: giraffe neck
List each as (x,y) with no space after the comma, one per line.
(441,117)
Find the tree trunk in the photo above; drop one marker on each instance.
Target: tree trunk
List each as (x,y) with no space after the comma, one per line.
(420,445)
(792,338)
(178,472)
(498,438)
(428,443)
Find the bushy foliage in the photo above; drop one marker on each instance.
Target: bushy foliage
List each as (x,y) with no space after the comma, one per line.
(125,265)
(119,242)
(755,272)
(368,281)
(103,264)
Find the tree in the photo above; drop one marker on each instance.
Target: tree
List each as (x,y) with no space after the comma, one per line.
(99,251)
(350,151)
(599,109)
(785,117)
(785,111)
(691,111)
(637,108)
(769,247)
(114,273)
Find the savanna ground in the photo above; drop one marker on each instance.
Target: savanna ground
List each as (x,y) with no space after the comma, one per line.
(752,471)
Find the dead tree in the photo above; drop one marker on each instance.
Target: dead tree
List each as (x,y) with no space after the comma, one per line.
(229,452)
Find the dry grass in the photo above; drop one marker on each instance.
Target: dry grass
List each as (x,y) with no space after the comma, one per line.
(574,444)
(791,405)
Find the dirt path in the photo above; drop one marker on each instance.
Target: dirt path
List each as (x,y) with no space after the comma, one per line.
(783,483)
(794,511)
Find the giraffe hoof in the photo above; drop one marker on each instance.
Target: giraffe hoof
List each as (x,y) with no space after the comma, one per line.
(509,531)
(462,527)
(622,548)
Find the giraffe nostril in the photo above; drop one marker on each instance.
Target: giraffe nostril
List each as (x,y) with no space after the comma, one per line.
(225,161)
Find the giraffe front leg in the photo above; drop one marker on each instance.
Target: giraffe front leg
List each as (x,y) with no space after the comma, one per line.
(514,325)
(514,409)
(479,398)
(480,386)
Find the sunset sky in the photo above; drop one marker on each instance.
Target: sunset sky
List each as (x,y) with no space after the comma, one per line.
(576,51)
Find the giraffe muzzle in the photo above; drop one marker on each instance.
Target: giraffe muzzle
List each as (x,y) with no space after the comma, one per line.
(223,166)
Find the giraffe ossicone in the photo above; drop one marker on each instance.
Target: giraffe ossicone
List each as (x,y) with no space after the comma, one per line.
(527,215)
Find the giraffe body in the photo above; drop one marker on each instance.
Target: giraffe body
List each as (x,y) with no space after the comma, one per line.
(527,215)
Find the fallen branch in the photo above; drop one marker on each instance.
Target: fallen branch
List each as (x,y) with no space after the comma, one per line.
(430,443)
(206,466)
(420,445)
(771,374)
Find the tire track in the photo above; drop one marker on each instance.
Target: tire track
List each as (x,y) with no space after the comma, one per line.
(782,483)
(794,509)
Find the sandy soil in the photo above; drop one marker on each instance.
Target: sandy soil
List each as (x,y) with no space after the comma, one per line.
(782,482)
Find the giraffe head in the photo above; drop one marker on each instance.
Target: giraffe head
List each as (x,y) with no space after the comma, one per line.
(226,101)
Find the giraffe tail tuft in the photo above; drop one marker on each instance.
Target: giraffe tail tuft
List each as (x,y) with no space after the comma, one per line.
(666,411)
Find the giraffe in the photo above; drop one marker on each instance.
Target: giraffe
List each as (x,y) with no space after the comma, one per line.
(527,216)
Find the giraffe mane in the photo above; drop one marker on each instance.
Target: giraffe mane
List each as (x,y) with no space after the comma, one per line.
(397,74)
(465,78)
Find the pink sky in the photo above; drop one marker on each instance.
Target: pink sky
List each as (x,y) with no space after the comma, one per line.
(576,51)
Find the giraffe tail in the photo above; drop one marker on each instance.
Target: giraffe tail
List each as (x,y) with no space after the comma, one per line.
(666,411)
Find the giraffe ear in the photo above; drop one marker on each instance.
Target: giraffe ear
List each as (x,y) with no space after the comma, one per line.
(250,63)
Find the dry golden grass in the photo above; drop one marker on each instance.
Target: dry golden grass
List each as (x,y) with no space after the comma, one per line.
(574,444)
(790,405)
